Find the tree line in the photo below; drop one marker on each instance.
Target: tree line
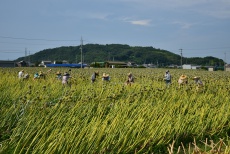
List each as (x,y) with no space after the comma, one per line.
(118,52)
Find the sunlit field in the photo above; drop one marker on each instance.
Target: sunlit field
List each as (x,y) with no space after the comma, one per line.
(42,116)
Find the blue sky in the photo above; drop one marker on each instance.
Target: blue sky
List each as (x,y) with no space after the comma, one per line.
(199,27)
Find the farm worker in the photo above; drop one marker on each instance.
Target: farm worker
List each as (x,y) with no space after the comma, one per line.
(41,75)
(20,74)
(183,80)
(65,78)
(94,76)
(130,79)
(105,77)
(59,76)
(26,76)
(167,78)
(198,82)
(36,76)
(49,71)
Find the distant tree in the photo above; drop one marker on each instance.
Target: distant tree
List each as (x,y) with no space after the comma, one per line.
(119,52)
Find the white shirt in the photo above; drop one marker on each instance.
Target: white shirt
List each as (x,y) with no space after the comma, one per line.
(167,76)
(20,74)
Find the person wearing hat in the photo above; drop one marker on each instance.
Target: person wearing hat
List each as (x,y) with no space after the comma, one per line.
(41,75)
(26,76)
(65,78)
(167,78)
(49,71)
(183,80)
(21,74)
(105,77)
(36,76)
(197,80)
(59,76)
(199,83)
(130,79)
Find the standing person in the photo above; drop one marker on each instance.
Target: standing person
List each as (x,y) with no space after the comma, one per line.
(65,79)
(130,79)
(94,76)
(183,80)
(167,78)
(21,74)
(105,77)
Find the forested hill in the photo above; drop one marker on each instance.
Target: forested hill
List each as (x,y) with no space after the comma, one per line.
(118,52)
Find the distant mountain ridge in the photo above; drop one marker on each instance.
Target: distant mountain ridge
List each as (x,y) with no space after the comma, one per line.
(118,52)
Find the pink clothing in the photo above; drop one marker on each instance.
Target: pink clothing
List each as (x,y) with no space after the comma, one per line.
(65,79)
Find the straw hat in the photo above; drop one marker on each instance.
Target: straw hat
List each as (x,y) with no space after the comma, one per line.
(196,77)
(96,72)
(58,72)
(183,77)
(105,75)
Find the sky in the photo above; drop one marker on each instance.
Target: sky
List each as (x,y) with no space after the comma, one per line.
(199,27)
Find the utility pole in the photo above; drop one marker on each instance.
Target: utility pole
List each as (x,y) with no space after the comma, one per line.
(25,55)
(225,61)
(29,58)
(181,57)
(109,56)
(81,51)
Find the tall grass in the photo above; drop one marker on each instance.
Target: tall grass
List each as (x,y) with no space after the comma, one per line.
(108,117)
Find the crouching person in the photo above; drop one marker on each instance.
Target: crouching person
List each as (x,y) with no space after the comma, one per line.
(105,77)
(199,83)
(26,76)
(183,80)
(130,79)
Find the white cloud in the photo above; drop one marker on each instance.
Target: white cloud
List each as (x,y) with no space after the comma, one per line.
(184,25)
(145,22)
(140,22)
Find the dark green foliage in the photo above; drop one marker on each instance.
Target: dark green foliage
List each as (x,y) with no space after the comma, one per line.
(119,52)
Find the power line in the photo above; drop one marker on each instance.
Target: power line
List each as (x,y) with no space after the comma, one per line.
(29,43)
(31,39)
(10,52)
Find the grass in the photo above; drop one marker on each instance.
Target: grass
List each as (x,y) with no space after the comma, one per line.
(43,116)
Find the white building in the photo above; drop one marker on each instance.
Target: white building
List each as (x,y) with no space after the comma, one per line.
(189,66)
(43,63)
